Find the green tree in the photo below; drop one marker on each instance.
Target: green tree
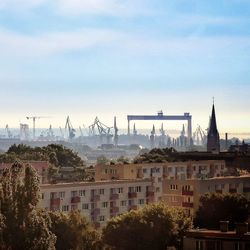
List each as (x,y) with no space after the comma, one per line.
(152,227)
(25,227)
(215,207)
(73,231)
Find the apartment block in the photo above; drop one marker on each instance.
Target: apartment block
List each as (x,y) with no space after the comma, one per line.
(186,193)
(98,201)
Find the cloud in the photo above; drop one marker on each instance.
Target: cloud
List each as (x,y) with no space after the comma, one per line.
(18,45)
(13,44)
(117,8)
(20,4)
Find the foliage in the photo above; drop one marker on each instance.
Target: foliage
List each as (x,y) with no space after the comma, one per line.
(216,207)
(123,160)
(22,225)
(74,232)
(156,155)
(102,160)
(152,227)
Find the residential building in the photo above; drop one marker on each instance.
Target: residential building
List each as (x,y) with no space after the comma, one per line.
(100,200)
(203,239)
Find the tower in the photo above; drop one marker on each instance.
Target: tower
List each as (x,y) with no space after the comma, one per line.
(213,138)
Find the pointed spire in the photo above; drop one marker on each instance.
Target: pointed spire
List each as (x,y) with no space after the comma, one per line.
(213,124)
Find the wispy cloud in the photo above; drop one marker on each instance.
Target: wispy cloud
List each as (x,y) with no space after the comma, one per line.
(16,45)
(20,4)
(54,43)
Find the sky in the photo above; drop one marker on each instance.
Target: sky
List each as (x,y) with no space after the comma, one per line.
(106,58)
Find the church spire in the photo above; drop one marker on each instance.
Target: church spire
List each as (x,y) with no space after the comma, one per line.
(213,138)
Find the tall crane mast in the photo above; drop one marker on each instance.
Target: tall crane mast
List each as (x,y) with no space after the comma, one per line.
(34,124)
(69,127)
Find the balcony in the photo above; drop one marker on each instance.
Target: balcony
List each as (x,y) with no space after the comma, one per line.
(133,207)
(218,191)
(95,198)
(114,210)
(187,192)
(55,202)
(246,189)
(97,225)
(232,190)
(95,212)
(132,195)
(114,196)
(150,194)
(75,199)
(187,204)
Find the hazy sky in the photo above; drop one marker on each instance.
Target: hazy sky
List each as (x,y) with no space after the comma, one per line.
(87,58)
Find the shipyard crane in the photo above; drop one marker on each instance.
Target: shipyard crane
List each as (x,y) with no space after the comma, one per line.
(62,135)
(102,129)
(8,131)
(81,131)
(34,118)
(199,136)
(69,128)
(116,132)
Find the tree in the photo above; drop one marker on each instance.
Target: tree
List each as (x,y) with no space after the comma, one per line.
(24,227)
(152,227)
(216,207)
(73,231)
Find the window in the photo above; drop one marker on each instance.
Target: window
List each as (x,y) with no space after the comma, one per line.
(157,190)
(101,218)
(65,208)
(112,190)
(141,201)
(123,203)
(170,169)
(106,171)
(101,191)
(145,170)
(105,204)
(130,202)
(138,189)
(199,245)
(61,195)
(131,189)
(173,199)
(120,190)
(81,192)
(173,187)
(42,196)
(73,207)
(53,195)
(73,193)
(85,206)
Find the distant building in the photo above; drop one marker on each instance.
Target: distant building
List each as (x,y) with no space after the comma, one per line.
(213,138)
(203,239)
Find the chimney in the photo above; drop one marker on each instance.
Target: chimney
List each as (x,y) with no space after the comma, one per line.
(224,226)
(226,141)
(241,228)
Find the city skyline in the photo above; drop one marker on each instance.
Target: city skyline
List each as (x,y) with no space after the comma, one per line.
(114,58)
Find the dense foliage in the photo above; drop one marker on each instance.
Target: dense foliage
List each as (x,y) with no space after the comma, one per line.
(58,155)
(22,226)
(156,155)
(73,231)
(216,207)
(153,227)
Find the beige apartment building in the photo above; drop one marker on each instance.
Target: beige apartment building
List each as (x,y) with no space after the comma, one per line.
(186,193)
(98,201)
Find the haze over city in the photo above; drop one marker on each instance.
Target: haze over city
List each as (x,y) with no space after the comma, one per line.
(105,58)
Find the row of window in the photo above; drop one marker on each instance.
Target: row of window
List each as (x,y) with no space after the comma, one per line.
(87,206)
(83,192)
